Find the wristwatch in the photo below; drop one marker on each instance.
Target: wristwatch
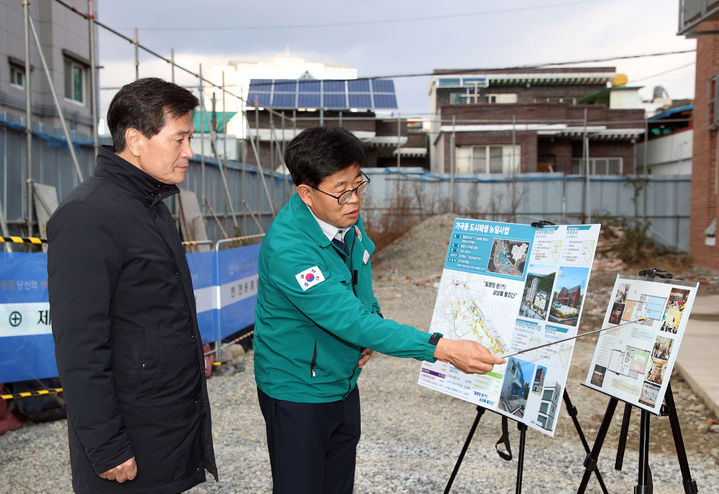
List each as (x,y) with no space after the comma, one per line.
(435,338)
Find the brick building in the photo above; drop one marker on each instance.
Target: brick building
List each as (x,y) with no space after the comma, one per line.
(509,121)
(700,19)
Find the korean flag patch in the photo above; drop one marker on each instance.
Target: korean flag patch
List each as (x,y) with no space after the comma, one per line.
(310,277)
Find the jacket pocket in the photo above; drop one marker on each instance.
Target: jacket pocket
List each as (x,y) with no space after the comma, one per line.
(147,376)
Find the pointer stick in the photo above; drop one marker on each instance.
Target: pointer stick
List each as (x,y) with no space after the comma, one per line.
(640,319)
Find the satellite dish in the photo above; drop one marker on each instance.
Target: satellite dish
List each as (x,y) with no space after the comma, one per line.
(660,92)
(619,80)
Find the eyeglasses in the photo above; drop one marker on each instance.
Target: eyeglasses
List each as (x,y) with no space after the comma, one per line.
(345,196)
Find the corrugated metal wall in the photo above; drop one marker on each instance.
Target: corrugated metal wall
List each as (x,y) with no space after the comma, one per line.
(661,200)
(52,165)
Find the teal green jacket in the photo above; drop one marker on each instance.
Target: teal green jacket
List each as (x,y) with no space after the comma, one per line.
(311,319)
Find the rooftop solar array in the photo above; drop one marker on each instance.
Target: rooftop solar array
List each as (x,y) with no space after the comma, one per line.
(359,94)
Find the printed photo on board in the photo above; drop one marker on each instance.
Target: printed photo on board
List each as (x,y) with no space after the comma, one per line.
(515,387)
(537,291)
(568,295)
(673,312)
(508,257)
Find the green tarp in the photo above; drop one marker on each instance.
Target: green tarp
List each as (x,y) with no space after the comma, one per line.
(217,120)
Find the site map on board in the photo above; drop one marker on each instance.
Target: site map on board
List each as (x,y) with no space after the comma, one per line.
(510,287)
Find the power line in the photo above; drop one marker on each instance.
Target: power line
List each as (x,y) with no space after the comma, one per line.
(530,66)
(367,22)
(665,72)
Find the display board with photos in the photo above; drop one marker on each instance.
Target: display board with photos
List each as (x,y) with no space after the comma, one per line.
(511,287)
(634,361)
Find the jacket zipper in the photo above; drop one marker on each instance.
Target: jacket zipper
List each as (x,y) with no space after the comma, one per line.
(314,362)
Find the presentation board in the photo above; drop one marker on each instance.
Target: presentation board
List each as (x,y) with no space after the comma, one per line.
(634,362)
(511,287)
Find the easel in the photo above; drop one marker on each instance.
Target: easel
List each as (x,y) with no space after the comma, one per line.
(644,475)
(507,456)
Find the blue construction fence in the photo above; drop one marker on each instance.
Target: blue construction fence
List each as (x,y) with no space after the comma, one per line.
(224,281)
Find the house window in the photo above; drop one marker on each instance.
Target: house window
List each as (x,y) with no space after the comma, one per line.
(75,80)
(501,98)
(712,97)
(555,99)
(467,95)
(495,159)
(598,166)
(17,75)
(487,159)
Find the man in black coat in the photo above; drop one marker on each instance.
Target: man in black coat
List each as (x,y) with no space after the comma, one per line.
(127,344)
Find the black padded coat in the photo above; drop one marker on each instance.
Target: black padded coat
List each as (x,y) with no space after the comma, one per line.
(127,345)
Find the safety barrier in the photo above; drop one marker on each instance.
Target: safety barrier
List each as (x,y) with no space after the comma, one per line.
(23,240)
(224,281)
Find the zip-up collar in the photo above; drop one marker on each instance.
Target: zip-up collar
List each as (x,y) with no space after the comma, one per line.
(122,173)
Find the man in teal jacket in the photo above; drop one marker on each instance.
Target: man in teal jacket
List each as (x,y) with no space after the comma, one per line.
(318,322)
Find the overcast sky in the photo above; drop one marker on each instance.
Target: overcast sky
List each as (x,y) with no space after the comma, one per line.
(397,37)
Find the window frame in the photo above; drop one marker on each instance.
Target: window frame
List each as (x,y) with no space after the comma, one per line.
(712,99)
(608,162)
(16,69)
(489,159)
(70,65)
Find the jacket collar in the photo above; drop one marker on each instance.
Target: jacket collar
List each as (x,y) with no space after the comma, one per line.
(331,231)
(124,174)
(306,221)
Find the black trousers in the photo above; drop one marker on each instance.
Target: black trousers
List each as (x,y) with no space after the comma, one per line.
(312,446)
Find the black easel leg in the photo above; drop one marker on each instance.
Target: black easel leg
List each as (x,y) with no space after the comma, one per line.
(590,462)
(572,411)
(644,482)
(690,486)
(480,411)
(520,460)
(623,437)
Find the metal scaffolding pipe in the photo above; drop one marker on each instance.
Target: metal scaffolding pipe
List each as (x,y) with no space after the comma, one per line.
(224,119)
(261,173)
(57,102)
(202,134)
(221,166)
(137,55)
(93,75)
(28,117)
(139,45)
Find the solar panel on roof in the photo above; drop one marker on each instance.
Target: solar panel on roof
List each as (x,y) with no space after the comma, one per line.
(284,100)
(308,100)
(309,86)
(262,99)
(335,100)
(332,94)
(333,86)
(262,85)
(358,86)
(385,101)
(382,86)
(285,85)
(360,100)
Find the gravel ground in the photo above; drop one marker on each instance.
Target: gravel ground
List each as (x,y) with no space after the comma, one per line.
(411,435)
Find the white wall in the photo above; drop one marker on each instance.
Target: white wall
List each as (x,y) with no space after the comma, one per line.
(667,155)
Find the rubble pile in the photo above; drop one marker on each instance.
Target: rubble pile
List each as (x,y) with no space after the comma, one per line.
(607,256)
